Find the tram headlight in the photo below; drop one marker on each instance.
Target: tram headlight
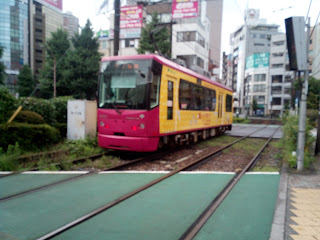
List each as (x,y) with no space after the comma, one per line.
(142,126)
(101,124)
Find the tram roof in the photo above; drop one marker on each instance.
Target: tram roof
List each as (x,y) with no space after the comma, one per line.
(168,63)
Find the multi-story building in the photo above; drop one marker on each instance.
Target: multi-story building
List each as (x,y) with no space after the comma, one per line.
(70,24)
(13,38)
(251,38)
(256,84)
(316,52)
(45,17)
(190,36)
(280,76)
(214,13)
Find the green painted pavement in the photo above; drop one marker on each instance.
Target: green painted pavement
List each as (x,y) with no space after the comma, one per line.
(247,213)
(162,212)
(34,215)
(23,182)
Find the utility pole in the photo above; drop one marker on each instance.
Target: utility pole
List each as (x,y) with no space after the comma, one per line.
(303,110)
(116,27)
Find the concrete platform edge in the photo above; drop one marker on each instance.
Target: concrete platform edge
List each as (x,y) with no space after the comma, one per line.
(278,225)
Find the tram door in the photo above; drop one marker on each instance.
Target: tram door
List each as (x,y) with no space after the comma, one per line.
(220,105)
(168,110)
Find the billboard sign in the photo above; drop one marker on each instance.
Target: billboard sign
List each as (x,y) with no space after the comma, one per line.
(258,60)
(103,34)
(127,33)
(131,17)
(184,8)
(53,3)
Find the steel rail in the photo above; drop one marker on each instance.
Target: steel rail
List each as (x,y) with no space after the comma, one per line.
(142,159)
(192,231)
(54,164)
(134,192)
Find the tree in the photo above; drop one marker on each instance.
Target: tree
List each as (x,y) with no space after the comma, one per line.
(83,64)
(160,36)
(26,82)
(313,93)
(2,68)
(57,47)
(254,105)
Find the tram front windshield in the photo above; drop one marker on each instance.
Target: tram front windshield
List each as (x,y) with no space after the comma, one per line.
(123,84)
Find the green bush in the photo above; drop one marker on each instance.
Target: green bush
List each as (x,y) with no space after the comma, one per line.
(289,140)
(312,115)
(240,120)
(40,106)
(60,105)
(9,160)
(29,117)
(62,127)
(29,136)
(7,103)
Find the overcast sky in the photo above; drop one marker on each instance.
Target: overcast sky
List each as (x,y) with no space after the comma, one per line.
(275,11)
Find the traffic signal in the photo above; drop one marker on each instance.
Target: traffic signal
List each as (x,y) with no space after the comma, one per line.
(296,43)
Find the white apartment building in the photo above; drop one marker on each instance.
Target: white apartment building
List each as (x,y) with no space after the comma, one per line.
(190,42)
(280,76)
(256,84)
(251,38)
(316,52)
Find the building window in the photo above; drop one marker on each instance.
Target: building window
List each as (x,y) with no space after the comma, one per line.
(279,54)
(104,44)
(276,90)
(263,36)
(278,43)
(276,101)
(259,88)
(200,62)
(200,40)
(277,66)
(276,79)
(259,99)
(186,36)
(129,43)
(260,77)
(259,44)
(287,91)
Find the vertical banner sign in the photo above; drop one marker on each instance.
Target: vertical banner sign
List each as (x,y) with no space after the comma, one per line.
(131,17)
(184,8)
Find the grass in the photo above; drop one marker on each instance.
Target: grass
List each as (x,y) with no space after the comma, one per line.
(265,169)
(10,161)
(217,141)
(247,145)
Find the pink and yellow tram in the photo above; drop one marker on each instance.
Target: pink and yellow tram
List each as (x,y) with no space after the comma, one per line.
(147,101)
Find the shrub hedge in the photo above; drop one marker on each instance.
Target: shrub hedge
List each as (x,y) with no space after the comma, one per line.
(29,136)
(60,105)
(29,117)
(7,104)
(40,106)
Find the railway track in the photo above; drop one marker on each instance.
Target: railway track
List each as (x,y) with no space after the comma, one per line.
(120,166)
(196,226)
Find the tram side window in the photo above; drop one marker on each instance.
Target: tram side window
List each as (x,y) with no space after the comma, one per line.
(170,101)
(213,99)
(229,103)
(184,95)
(154,91)
(195,97)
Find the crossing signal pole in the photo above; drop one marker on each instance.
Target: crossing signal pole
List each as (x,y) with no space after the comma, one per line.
(298,48)
(116,27)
